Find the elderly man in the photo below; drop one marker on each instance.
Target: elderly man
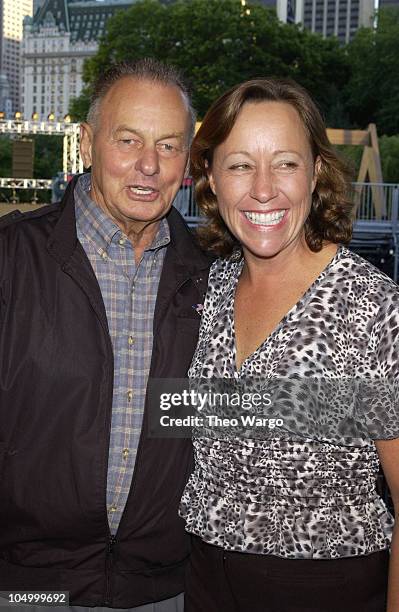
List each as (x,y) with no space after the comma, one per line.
(96,295)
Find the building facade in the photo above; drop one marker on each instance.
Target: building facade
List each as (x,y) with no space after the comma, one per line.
(285,9)
(340,18)
(12,14)
(56,42)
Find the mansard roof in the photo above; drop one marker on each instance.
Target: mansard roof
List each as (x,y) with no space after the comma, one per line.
(84,19)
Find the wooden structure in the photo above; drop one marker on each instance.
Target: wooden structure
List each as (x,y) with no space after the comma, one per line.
(370,165)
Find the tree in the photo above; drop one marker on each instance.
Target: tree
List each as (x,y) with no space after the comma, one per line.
(5,156)
(372,93)
(389,149)
(48,156)
(79,106)
(218,43)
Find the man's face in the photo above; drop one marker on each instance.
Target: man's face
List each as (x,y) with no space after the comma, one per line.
(137,151)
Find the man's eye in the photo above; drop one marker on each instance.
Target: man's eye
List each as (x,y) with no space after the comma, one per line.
(167,147)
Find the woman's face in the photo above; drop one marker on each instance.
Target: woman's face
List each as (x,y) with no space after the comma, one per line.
(263,175)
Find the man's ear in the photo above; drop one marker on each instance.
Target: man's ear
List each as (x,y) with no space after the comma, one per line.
(86,140)
(317,168)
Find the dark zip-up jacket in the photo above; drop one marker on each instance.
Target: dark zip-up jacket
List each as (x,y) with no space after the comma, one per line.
(56,377)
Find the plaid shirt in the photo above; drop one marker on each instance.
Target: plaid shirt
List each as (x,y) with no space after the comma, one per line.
(129,292)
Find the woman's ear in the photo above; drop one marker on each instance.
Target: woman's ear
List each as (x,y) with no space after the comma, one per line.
(211,183)
(210,177)
(316,172)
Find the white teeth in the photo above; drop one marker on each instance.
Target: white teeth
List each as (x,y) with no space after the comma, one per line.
(142,190)
(271,218)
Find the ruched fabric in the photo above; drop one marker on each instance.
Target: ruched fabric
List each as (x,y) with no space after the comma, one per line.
(299,501)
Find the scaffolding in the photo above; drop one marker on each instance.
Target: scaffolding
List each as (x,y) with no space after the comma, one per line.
(17,183)
(72,162)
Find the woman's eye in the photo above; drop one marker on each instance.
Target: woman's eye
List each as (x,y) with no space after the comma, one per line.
(240,167)
(288,165)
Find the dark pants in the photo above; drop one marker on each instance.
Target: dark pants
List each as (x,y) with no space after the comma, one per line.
(222,581)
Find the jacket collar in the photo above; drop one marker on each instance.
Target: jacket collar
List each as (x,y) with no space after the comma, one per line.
(63,239)
(184,245)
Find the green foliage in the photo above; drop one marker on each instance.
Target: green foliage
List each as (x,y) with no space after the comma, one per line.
(372,93)
(217,44)
(352,156)
(48,156)
(79,106)
(5,156)
(389,149)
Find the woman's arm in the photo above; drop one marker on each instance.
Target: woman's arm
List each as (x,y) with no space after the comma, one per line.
(388,451)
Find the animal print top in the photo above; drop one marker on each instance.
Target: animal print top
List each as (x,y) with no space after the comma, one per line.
(309,496)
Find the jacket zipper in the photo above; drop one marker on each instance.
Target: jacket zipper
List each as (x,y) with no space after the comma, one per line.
(109,564)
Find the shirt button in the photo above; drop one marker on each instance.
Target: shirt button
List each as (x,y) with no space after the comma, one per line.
(125,453)
(104,255)
(113,508)
(121,241)
(130,395)
(130,341)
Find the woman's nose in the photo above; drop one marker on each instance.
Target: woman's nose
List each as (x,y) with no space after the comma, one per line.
(264,186)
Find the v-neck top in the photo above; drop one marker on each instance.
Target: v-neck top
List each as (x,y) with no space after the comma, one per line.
(285,319)
(309,491)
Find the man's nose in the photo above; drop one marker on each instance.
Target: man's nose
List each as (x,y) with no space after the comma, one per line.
(148,161)
(264,187)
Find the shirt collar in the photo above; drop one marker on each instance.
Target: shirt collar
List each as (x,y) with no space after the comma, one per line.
(94,223)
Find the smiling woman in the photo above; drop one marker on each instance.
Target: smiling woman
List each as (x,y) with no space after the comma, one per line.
(330,215)
(288,519)
(264,188)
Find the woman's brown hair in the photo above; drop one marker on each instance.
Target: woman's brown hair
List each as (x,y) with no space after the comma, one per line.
(330,216)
